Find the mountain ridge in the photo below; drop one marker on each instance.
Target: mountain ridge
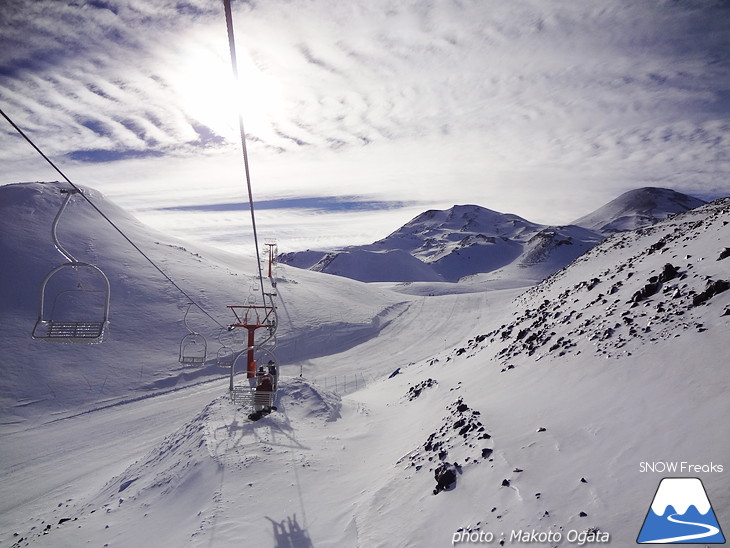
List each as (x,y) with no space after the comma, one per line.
(464,240)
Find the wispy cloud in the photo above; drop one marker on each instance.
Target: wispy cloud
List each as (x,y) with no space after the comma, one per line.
(316,203)
(538,108)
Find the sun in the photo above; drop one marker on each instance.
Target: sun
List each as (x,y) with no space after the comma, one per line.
(209,94)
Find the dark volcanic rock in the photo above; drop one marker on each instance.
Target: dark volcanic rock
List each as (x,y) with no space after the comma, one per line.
(713,288)
(445,476)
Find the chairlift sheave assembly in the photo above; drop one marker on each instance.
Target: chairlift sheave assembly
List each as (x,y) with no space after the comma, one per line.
(193,346)
(75,297)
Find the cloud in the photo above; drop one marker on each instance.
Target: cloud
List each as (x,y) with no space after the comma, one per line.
(315,203)
(544,109)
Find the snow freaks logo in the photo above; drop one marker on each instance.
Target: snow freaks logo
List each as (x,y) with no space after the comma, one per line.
(680,513)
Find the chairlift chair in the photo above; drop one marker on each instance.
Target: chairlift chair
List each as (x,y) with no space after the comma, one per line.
(193,349)
(75,297)
(225,356)
(193,346)
(73,313)
(247,394)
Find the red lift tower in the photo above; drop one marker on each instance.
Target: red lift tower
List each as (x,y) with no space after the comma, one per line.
(271,244)
(251,318)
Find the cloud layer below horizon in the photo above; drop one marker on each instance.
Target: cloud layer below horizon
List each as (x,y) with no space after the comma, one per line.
(544,109)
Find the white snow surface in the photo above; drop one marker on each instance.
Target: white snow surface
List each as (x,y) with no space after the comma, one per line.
(548,398)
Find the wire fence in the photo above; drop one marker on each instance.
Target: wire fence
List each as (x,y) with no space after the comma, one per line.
(342,384)
(348,383)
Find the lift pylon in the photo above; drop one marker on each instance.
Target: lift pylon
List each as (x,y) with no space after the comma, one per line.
(272,249)
(252,318)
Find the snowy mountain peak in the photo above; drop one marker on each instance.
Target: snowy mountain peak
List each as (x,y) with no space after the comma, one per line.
(464,219)
(638,208)
(450,244)
(465,240)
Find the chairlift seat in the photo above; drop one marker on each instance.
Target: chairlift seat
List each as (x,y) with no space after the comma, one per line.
(65,326)
(70,332)
(192,360)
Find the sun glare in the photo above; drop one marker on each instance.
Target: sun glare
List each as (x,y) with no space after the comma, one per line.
(210,95)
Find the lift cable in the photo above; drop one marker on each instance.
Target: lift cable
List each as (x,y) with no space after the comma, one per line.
(50,162)
(234,66)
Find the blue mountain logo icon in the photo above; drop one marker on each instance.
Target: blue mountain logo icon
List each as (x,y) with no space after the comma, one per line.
(680,513)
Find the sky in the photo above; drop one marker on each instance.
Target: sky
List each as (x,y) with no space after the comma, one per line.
(359,115)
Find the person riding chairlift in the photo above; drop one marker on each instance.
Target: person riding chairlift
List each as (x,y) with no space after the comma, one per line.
(265,386)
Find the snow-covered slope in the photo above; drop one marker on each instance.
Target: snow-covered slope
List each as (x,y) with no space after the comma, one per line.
(140,354)
(393,265)
(637,208)
(495,412)
(448,245)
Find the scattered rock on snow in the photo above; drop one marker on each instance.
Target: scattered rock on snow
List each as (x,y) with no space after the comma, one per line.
(442,443)
(647,291)
(445,476)
(713,288)
(415,391)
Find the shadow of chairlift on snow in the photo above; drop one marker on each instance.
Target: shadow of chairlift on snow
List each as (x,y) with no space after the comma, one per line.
(289,534)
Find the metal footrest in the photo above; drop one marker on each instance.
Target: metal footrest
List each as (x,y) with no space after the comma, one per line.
(192,360)
(244,395)
(70,332)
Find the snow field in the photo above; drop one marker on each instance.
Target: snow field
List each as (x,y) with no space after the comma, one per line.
(118,445)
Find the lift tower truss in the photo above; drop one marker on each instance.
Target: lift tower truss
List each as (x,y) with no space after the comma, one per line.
(251,318)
